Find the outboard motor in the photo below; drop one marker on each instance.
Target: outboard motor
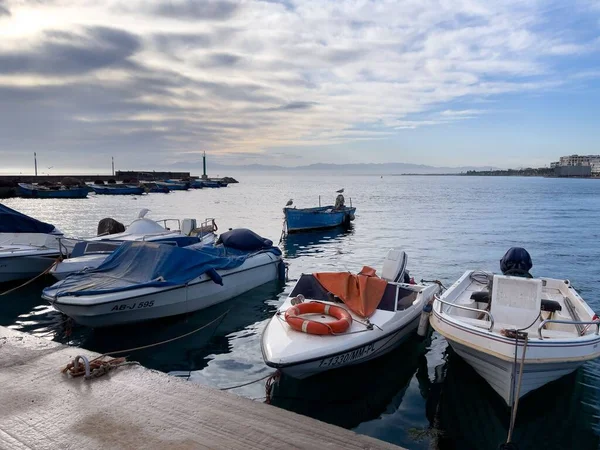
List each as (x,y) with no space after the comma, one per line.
(516,262)
(109,226)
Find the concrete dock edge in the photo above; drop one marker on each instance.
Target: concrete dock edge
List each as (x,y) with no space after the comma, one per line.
(138,408)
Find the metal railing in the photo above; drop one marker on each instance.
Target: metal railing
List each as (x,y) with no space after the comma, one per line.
(468,308)
(568,322)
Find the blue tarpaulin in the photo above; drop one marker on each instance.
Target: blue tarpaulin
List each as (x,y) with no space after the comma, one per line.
(12,221)
(135,265)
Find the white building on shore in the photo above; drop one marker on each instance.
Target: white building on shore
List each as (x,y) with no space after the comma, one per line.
(580,160)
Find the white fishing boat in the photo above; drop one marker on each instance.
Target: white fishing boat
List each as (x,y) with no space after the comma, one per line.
(505,325)
(143,280)
(28,247)
(92,252)
(367,327)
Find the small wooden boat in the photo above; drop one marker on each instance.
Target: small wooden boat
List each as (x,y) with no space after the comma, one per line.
(118,189)
(321,217)
(155,188)
(370,323)
(174,185)
(38,191)
(518,333)
(210,184)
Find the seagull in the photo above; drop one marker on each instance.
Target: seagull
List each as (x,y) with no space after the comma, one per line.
(341,191)
(289,203)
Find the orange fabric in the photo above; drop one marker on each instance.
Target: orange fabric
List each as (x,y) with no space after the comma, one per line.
(361,293)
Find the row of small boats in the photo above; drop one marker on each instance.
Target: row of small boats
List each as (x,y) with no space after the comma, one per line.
(516,331)
(81,190)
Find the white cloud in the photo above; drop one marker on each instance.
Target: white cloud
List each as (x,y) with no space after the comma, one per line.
(251,75)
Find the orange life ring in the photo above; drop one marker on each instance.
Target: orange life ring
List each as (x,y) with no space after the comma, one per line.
(343,322)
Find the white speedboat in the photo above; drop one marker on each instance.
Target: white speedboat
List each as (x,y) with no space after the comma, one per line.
(297,352)
(92,252)
(28,247)
(501,324)
(143,280)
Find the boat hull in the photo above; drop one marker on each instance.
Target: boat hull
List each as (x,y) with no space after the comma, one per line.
(298,220)
(23,267)
(131,190)
(498,373)
(151,303)
(349,357)
(74,265)
(492,356)
(30,192)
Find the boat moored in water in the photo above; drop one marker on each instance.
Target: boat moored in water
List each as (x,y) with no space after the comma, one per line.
(373,314)
(92,252)
(142,280)
(503,325)
(118,189)
(28,246)
(174,185)
(57,191)
(321,217)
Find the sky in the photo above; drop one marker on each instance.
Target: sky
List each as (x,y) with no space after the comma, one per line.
(156,83)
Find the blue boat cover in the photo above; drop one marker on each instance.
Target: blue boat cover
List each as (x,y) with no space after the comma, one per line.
(12,221)
(244,239)
(136,265)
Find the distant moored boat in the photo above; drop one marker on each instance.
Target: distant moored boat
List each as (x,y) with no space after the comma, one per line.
(37,191)
(118,189)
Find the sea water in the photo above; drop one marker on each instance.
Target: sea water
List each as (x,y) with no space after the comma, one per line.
(420,396)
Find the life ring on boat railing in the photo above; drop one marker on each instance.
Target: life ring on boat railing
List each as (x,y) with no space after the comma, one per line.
(343,322)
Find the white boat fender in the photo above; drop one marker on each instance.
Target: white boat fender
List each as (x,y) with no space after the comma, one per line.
(424,321)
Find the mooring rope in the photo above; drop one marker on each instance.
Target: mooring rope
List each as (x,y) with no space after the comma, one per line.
(248,383)
(59,259)
(143,347)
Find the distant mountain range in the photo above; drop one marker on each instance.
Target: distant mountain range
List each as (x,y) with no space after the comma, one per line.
(363,169)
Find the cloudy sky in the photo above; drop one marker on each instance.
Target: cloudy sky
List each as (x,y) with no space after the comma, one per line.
(155,83)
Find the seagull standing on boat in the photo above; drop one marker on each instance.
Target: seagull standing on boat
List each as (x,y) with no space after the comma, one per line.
(341,191)
(290,202)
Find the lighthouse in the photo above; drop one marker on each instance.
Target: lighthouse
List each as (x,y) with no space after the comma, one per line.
(204,176)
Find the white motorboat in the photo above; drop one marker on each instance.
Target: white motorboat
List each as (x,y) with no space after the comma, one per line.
(92,252)
(143,280)
(28,247)
(504,324)
(302,354)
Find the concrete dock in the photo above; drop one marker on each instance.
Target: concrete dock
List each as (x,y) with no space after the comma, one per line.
(134,407)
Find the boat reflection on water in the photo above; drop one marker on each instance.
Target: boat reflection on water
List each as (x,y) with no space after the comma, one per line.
(347,397)
(24,310)
(465,413)
(189,353)
(313,242)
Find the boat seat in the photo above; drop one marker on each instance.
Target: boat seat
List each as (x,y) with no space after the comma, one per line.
(546,305)
(516,301)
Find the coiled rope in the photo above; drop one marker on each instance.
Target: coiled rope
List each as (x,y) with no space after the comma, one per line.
(98,366)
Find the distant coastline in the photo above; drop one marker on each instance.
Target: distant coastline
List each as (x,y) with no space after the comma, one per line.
(543,172)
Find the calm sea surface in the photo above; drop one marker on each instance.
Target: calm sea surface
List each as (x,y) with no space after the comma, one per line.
(422,395)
